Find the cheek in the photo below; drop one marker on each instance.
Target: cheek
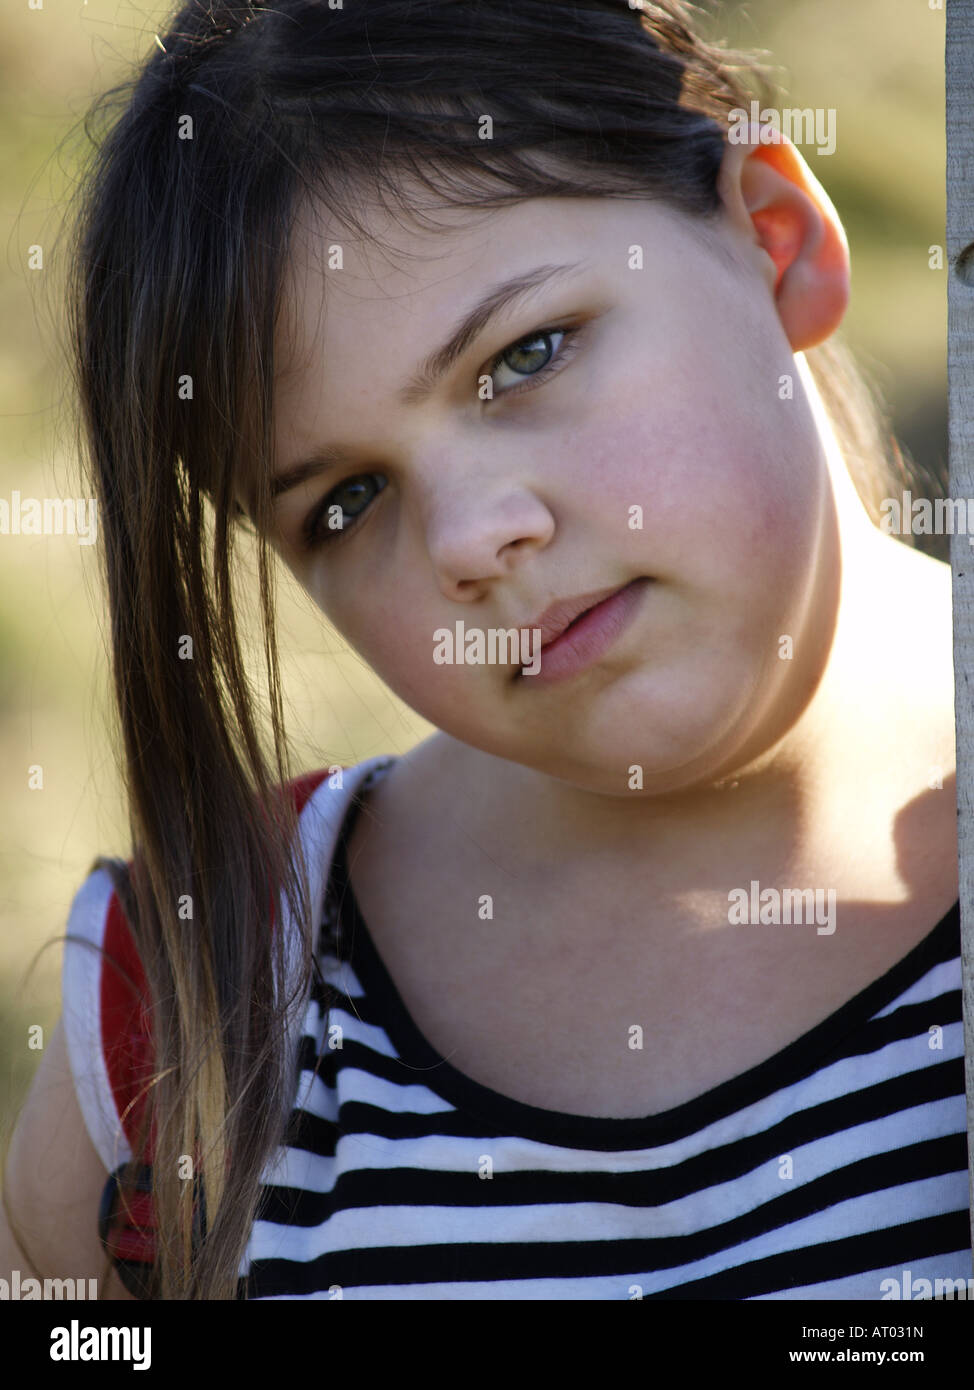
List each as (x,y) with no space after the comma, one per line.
(728,478)
(395,638)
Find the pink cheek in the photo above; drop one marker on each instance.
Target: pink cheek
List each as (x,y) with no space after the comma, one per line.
(699,492)
(408,666)
(614,456)
(642,460)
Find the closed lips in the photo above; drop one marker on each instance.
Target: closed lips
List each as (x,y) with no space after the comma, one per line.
(560,616)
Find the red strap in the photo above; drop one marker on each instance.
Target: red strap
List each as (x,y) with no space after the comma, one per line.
(127,1047)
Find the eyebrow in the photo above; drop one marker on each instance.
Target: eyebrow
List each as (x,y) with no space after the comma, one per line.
(435,366)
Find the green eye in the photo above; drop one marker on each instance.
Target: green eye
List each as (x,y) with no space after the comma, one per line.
(537,362)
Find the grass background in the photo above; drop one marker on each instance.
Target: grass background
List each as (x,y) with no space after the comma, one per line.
(879,63)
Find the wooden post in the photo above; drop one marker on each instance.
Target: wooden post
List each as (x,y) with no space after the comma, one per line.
(960,367)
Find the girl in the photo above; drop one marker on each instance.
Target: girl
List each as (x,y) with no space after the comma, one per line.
(640,978)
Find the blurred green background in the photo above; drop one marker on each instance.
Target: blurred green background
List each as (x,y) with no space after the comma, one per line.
(879,63)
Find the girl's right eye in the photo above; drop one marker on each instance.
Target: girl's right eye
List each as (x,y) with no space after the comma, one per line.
(316,532)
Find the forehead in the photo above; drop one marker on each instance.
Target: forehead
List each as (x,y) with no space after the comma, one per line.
(411,274)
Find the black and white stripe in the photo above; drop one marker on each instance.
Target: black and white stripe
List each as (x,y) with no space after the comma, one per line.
(378,1193)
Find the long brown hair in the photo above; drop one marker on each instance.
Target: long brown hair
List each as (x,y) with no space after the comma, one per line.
(198,164)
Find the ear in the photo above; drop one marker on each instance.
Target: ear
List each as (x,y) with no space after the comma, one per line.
(770,194)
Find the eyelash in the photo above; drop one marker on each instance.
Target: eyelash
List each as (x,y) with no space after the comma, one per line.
(313,540)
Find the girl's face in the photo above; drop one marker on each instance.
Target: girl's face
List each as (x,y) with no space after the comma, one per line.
(651,435)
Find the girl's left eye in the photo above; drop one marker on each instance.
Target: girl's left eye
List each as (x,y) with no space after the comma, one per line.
(534,358)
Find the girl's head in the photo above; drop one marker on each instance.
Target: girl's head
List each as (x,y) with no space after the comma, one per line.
(632,410)
(296,208)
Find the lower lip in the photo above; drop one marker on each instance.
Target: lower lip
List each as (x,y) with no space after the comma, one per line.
(589,637)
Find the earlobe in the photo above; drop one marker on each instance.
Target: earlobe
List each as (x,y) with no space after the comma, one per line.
(770,193)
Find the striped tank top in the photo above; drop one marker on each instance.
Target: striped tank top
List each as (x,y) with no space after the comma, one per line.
(836,1169)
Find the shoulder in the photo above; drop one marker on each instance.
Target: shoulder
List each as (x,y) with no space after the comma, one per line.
(335,784)
(103,997)
(323,799)
(105,1005)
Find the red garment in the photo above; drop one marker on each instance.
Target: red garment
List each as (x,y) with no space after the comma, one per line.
(127,1228)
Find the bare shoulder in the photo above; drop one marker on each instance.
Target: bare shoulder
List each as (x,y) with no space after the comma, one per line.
(53,1182)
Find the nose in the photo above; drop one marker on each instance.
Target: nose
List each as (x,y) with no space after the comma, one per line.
(479,529)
